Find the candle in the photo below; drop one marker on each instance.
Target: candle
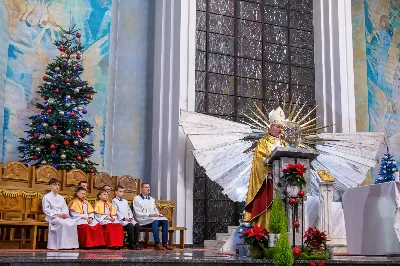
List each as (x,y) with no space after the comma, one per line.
(396,176)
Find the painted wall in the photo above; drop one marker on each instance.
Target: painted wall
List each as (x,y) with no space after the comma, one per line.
(116,61)
(376,43)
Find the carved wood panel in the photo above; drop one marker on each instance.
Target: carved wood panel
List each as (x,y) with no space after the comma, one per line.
(102,179)
(75,176)
(16,170)
(12,204)
(129,183)
(44,173)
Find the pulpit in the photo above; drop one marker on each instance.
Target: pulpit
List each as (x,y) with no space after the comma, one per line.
(279,159)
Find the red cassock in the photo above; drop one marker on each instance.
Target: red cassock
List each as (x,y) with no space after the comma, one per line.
(113,235)
(90,236)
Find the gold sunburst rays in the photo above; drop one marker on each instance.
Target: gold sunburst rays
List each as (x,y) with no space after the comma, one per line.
(307,127)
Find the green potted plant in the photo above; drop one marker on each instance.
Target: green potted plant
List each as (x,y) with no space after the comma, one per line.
(284,254)
(277,220)
(256,238)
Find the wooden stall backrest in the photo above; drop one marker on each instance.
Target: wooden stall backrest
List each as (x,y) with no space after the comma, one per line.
(101,179)
(166,208)
(131,186)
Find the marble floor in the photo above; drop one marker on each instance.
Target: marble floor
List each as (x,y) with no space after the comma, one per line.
(151,257)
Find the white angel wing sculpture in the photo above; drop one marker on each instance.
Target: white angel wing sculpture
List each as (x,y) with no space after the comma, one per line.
(220,148)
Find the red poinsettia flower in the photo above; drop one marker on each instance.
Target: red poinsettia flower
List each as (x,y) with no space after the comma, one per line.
(257,232)
(309,230)
(306,235)
(246,232)
(285,170)
(300,169)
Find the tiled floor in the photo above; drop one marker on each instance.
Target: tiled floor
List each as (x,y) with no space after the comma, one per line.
(151,257)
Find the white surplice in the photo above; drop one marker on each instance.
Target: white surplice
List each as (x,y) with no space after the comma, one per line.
(78,216)
(63,233)
(144,207)
(123,210)
(101,217)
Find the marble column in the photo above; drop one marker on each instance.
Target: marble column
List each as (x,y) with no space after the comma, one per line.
(171,176)
(326,199)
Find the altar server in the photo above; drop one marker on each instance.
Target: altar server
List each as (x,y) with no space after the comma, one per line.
(105,214)
(148,215)
(125,217)
(62,230)
(90,232)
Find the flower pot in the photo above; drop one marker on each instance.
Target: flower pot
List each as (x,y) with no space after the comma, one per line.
(272,239)
(256,253)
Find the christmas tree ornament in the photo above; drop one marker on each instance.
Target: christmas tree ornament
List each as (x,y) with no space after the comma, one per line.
(296,224)
(78,57)
(79,108)
(44,78)
(85,160)
(78,35)
(36,135)
(61,49)
(35,157)
(87,129)
(45,124)
(300,194)
(292,201)
(68,97)
(88,96)
(30,124)
(43,162)
(52,147)
(63,55)
(77,133)
(84,111)
(61,113)
(79,158)
(64,35)
(54,127)
(63,156)
(49,111)
(67,80)
(57,69)
(296,251)
(76,90)
(66,142)
(37,149)
(57,90)
(51,101)
(73,166)
(91,171)
(76,142)
(68,131)
(48,136)
(72,114)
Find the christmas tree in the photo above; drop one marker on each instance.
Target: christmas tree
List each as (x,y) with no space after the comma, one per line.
(388,168)
(56,132)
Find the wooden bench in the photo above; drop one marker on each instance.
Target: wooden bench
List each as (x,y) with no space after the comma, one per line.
(21,192)
(166,208)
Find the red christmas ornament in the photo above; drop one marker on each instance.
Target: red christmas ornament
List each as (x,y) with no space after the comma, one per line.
(78,65)
(300,194)
(44,78)
(78,57)
(88,96)
(66,142)
(67,80)
(92,170)
(54,127)
(57,90)
(49,111)
(45,97)
(78,35)
(90,167)
(83,135)
(79,158)
(292,201)
(35,157)
(296,224)
(61,49)
(36,135)
(77,133)
(52,147)
(84,111)
(296,251)
(72,114)
(42,112)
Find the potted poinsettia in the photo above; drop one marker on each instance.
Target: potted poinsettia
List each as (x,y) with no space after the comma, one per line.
(293,175)
(256,238)
(315,241)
